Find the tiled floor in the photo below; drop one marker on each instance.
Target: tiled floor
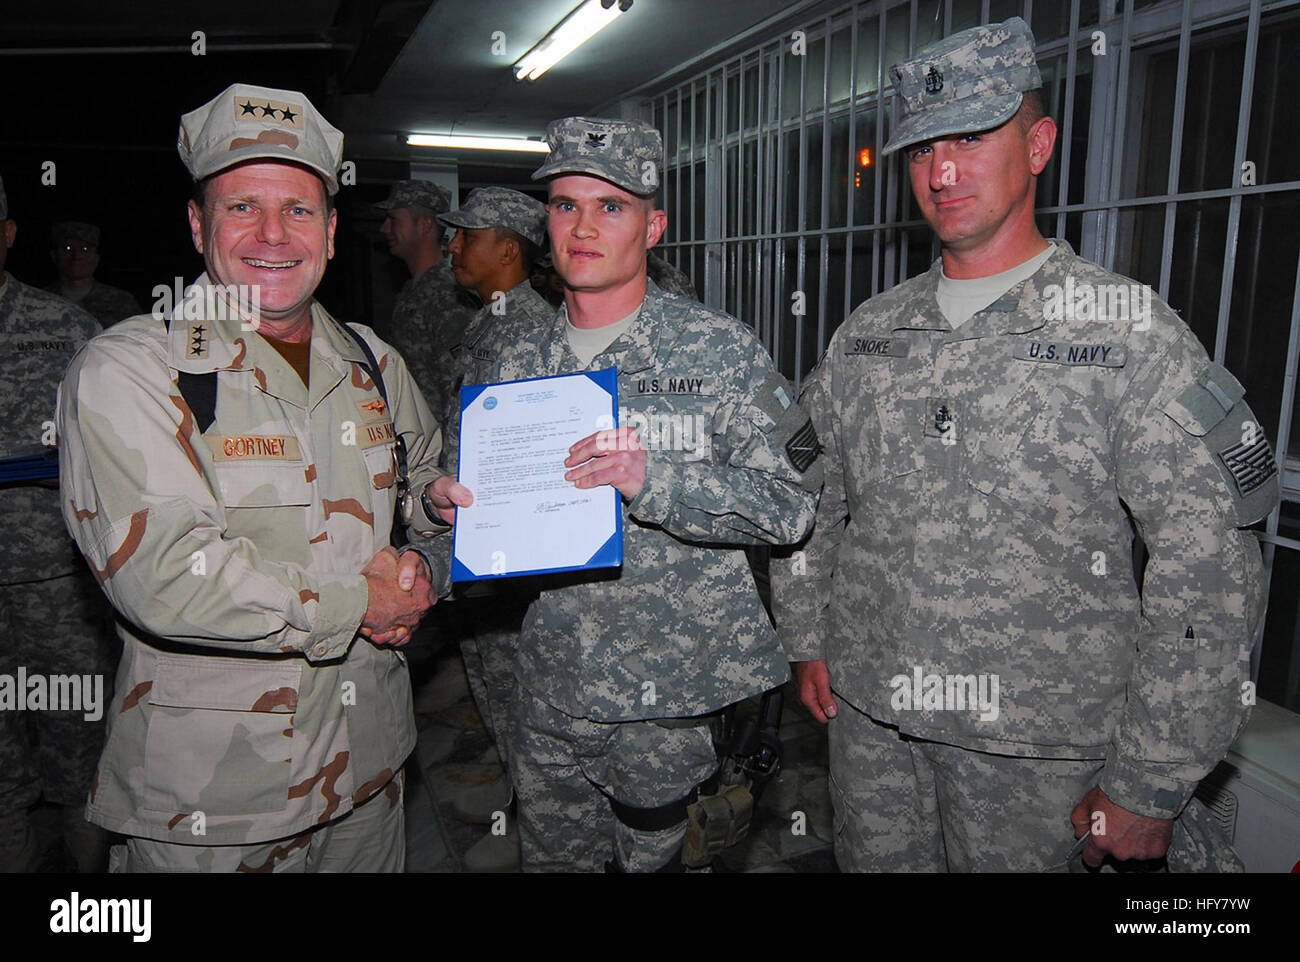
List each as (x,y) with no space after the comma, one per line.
(454,750)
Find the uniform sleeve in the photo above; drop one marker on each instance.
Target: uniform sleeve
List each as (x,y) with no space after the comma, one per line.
(153,531)
(759,482)
(419,428)
(415,421)
(801,581)
(1194,468)
(431,537)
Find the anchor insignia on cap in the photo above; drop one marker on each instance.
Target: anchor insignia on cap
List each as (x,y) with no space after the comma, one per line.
(933,81)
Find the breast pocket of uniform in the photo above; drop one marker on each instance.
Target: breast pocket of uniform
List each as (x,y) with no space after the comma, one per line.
(379,449)
(220,737)
(676,426)
(880,444)
(477,363)
(260,472)
(1046,457)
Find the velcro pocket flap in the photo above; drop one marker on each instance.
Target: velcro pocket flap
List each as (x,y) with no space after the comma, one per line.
(224,684)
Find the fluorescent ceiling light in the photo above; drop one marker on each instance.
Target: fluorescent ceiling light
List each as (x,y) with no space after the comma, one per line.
(465,141)
(571,33)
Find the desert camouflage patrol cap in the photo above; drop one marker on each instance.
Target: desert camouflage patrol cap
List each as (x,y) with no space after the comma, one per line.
(973,80)
(501,207)
(244,122)
(627,153)
(4,201)
(75,230)
(417,193)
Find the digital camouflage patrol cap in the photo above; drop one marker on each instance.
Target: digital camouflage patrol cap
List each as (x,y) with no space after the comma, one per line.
(249,123)
(417,193)
(501,207)
(627,153)
(973,80)
(74,230)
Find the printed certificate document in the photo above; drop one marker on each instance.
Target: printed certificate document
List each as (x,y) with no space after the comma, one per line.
(526,518)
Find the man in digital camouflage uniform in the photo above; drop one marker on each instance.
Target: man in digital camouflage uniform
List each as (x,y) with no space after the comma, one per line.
(76,257)
(619,672)
(499,233)
(230,473)
(53,619)
(431,311)
(992,445)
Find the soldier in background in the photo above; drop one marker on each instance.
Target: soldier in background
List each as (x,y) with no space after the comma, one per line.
(53,619)
(76,258)
(431,311)
(994,670)
(499,234)
(619,673)
(668,278)
(546,282)
(232,480)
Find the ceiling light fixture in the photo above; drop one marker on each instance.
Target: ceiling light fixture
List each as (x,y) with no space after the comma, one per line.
(469,142)
(583,23)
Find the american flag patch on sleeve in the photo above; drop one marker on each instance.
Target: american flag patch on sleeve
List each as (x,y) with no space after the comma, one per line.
(1249,464)
(802,449)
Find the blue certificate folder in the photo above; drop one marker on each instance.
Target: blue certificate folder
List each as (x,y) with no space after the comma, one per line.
(529,524)
(30,467)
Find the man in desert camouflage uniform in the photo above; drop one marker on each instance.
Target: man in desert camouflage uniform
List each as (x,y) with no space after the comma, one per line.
(230,472)
(990,453)
(54,621)
(499,233)
(618,675)
(431,311)
(76,257)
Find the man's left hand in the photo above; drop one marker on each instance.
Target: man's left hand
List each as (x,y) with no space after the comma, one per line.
(447,494)
(614,457)
(1121,834)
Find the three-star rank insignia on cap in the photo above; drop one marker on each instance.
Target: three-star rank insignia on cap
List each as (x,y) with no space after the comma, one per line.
(197,346)
(266,111)
(933,80)
(595,140)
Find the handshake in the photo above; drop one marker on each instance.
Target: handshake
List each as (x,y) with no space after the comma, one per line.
(400,588)
(400,593)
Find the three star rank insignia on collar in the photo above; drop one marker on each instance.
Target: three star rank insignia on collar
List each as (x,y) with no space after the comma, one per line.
(197,345)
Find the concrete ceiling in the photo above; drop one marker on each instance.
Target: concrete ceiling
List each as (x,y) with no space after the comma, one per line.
(95,90)
(448,78)
(377,68)
(97,87)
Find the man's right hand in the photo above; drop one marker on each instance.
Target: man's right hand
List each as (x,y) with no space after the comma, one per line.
(814,683)
(393,611)
(446,495)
